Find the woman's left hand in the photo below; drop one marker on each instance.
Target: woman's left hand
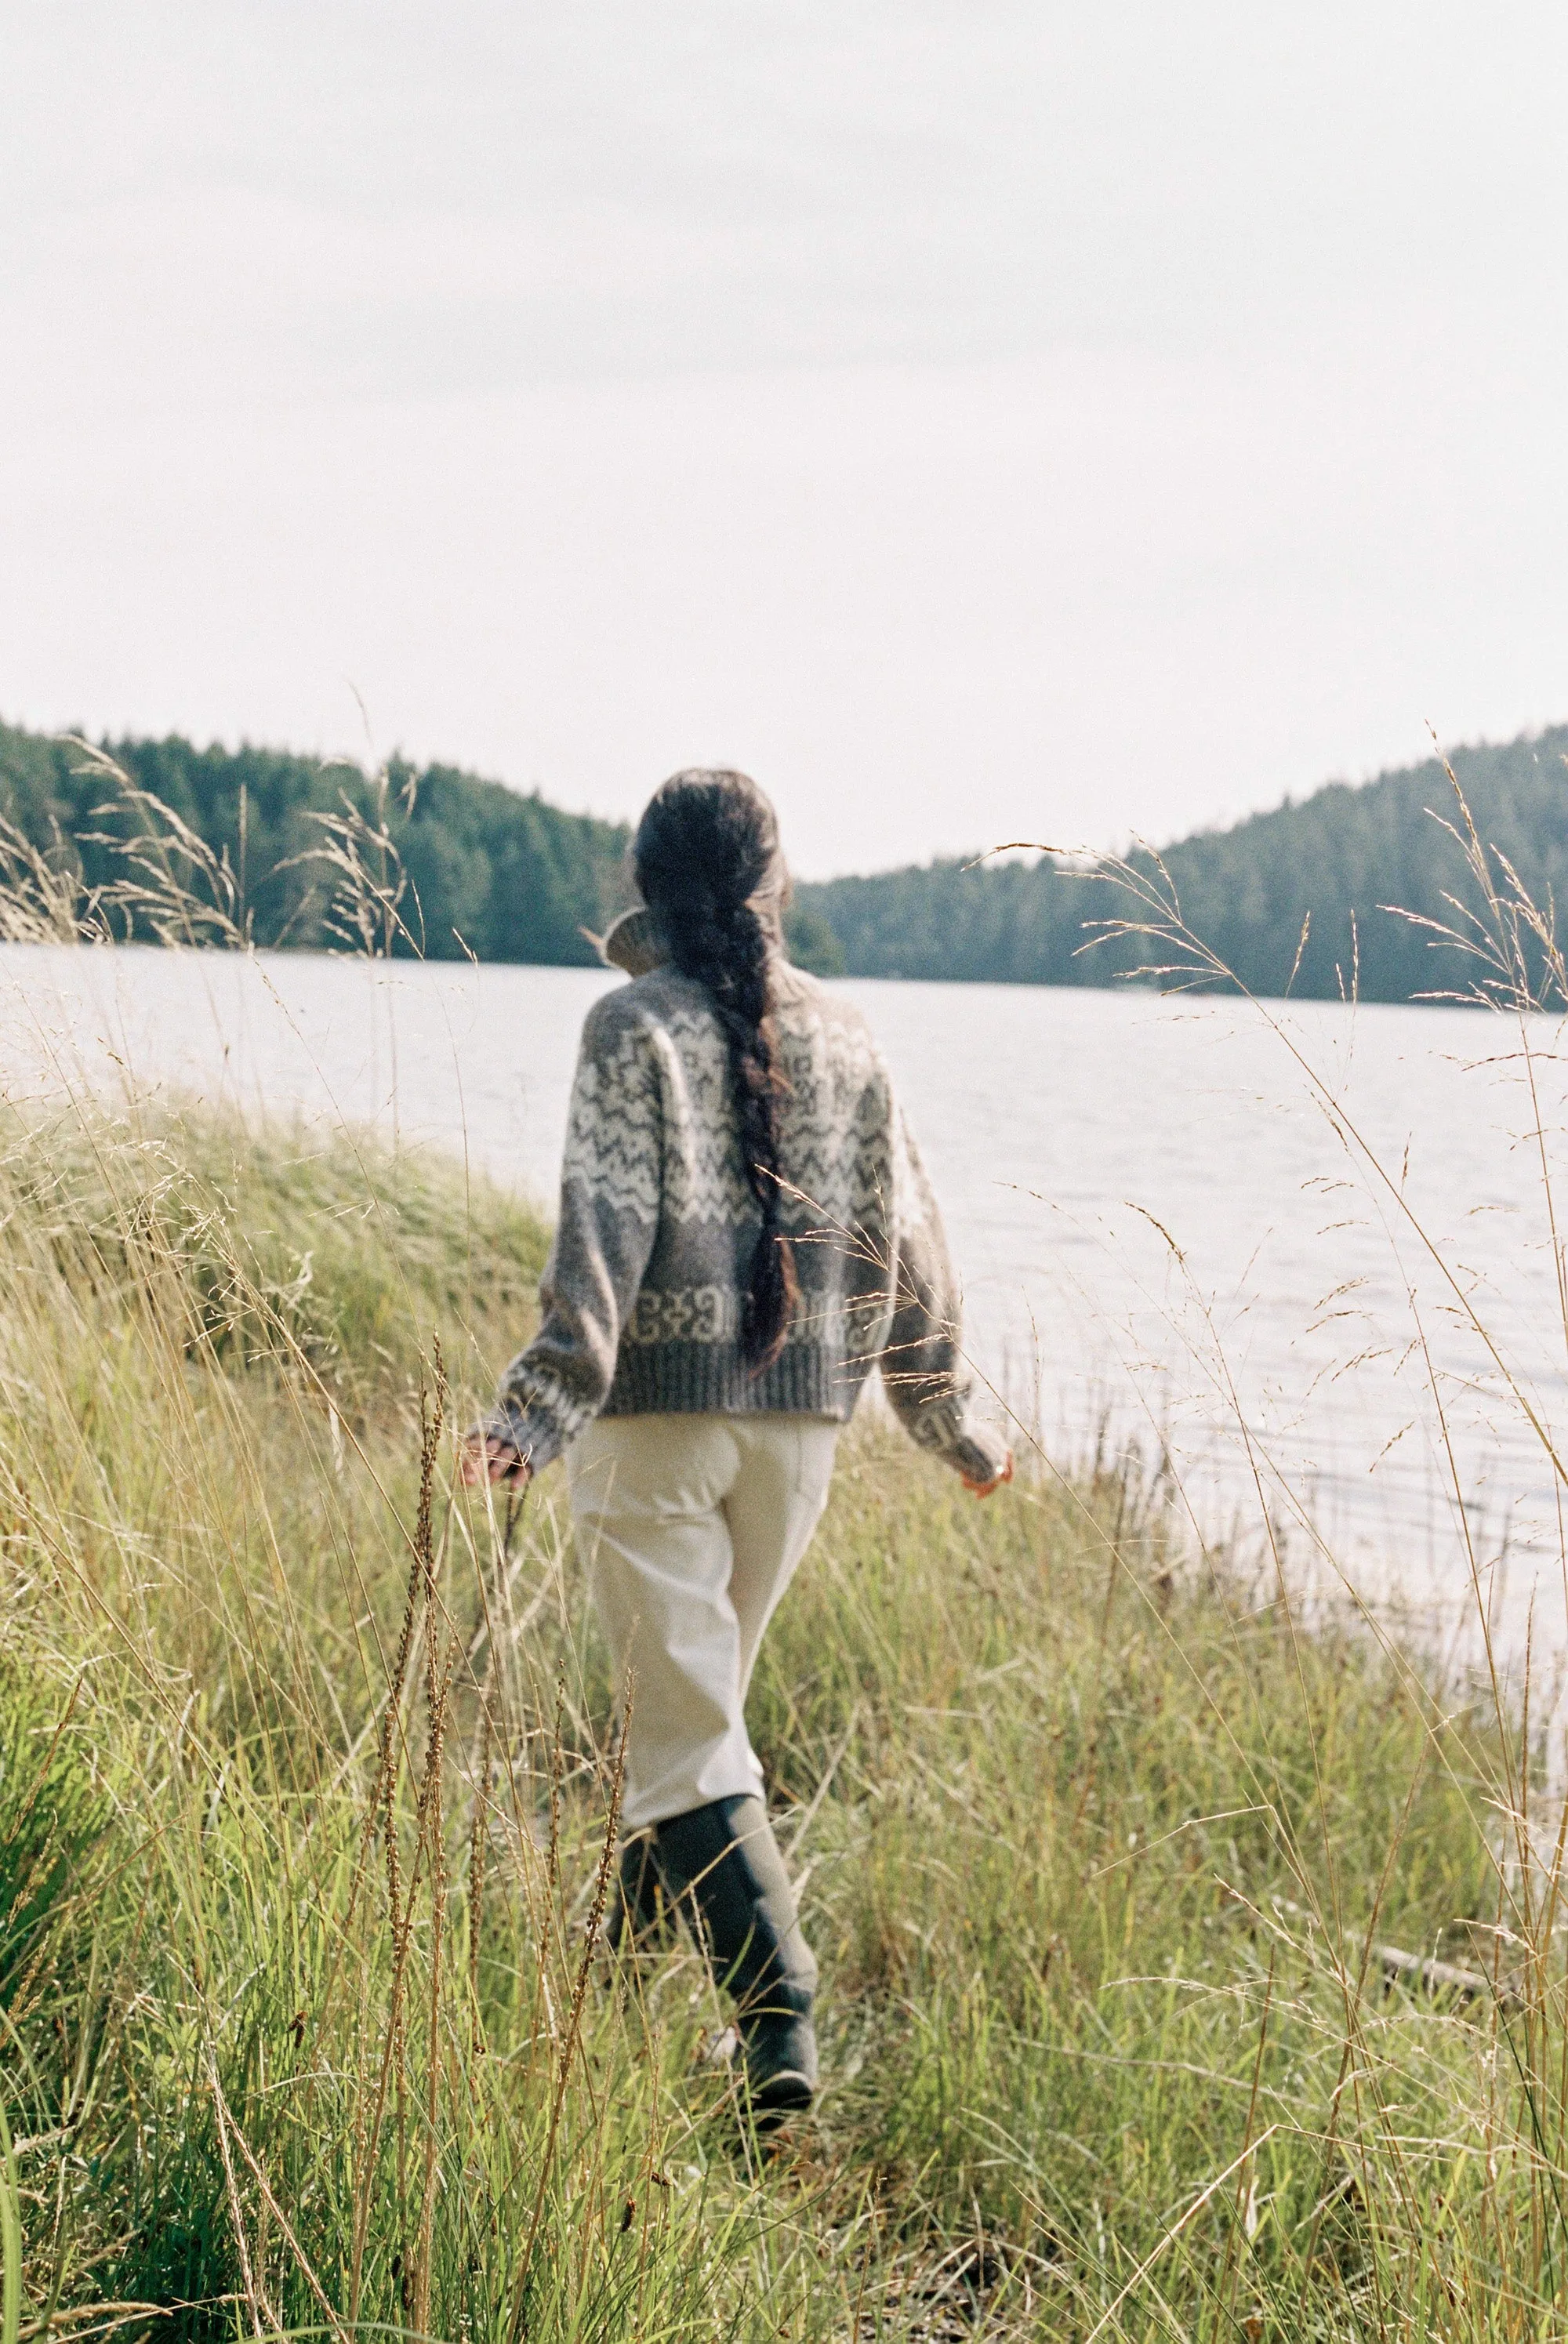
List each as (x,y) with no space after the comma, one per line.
(484,1456)
(1003,1472)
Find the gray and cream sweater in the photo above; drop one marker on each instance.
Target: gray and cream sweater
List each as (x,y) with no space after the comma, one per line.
(640,1296)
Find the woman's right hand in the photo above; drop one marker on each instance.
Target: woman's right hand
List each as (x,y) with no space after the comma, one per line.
(484,1456)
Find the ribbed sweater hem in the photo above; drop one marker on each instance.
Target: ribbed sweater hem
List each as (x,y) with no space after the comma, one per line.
(712,1379)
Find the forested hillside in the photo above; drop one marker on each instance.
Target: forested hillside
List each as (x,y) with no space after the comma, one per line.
(1340,855)
(510,878)
(507,877)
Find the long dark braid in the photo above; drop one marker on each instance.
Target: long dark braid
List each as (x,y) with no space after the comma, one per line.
(707,845)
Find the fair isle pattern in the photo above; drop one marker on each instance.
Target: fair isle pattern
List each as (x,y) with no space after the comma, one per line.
(838,1128)
(652,1129)
(612,1150)
(547,1393)
(642,1295)
(689,1314)
(712,1314)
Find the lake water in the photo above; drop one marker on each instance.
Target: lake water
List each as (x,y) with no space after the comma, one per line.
(1253,1240)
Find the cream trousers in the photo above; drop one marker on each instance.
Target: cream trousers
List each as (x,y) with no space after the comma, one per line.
(691,1528)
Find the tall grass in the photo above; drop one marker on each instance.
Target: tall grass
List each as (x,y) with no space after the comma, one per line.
(305,1808)
(1193,1965)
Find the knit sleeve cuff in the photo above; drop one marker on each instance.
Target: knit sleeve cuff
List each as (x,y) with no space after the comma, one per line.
(537,1419)
(946,1428)
(518,1428)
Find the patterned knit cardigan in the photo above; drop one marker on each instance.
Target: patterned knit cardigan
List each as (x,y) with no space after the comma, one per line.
(640,1296)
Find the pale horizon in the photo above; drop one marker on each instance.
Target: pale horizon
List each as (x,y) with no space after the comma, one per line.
(999,851)
(974,426)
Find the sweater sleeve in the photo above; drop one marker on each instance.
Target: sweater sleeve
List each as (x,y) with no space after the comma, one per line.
(924,1370)
(610,1190)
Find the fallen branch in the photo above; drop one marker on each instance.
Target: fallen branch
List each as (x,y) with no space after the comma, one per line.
(1432,1977)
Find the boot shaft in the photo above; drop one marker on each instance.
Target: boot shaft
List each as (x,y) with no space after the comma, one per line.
(721,1866)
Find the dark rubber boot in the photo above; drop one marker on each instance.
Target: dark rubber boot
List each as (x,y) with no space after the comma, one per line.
(640,1917)
(720,1866)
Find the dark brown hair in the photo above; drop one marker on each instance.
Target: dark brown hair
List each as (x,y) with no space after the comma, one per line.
(707,845)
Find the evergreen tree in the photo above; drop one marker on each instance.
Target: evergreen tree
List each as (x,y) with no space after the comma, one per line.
(1297,898)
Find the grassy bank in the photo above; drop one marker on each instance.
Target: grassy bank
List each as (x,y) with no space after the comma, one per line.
(303,1815)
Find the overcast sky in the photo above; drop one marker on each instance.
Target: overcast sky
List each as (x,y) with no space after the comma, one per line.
(980,420)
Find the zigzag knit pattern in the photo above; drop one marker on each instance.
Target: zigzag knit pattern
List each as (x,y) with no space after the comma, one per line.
(642,1295)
